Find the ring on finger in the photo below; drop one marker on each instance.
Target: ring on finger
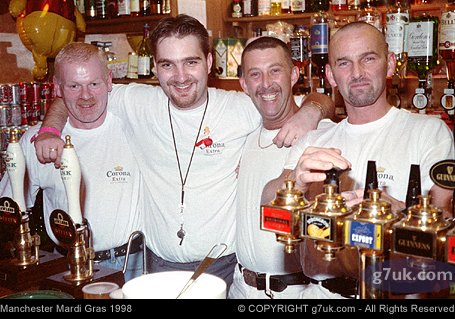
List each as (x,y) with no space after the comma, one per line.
(52,149)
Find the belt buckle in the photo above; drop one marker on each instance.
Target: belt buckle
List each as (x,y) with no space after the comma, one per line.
(275,283)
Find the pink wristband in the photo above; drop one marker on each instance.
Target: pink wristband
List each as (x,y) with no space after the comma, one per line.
(44,130)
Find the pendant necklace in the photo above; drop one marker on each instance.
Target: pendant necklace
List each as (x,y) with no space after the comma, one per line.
(181,232)
(259,140)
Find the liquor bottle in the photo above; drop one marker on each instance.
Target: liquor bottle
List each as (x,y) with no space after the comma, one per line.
(319,36)
(145,8)
(264,7)
(250,8)
(297,6)
(422,45)
(354,5)
(299,44)
(447,39)
(370,14)
(112,9)
(135,8)
(124,8)
(144,54)
(339,5)
(236,9)
(275,7)
(166,7)
(285,6)
(90,9)
(101,9)
(397,20)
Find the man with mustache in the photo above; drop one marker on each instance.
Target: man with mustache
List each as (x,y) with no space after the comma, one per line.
(264,269)
(359,63)
(190,190)
(112,184)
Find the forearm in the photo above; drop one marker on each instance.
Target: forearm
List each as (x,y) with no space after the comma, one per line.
(321,104)
(270,189)
(56,115)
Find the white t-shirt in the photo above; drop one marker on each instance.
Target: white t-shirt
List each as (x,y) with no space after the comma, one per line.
(211,184)
(258,250)
(395,141)
(113,204)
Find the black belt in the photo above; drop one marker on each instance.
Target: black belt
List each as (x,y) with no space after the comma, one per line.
(345,286)
(136,246)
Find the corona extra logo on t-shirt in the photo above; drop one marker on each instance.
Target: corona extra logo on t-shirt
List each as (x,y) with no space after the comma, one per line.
(118,175)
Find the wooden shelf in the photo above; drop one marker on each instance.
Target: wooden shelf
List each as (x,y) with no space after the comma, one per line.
(122,24)
(145,81)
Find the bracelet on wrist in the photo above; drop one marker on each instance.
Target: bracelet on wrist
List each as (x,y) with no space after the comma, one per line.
(44,130)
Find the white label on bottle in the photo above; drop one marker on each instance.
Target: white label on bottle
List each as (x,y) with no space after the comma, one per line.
(124,7)
(143,65)
(264,7)
(221,59)
(134,6)
(297,6)
(420,39)
(396,31)
(447,31)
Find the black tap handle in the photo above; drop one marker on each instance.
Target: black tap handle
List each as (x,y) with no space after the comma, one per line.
(414,186)
(371,180)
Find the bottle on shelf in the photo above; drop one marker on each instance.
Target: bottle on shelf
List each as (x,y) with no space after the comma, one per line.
(124,8)
(275,7)
(447,52)
(144,55)
(90,9)
(319,35)
(354,5)
(166,9)
(339,5)
(422,47)
(285,6)
(250,8)
(135,8)
(297,6)
(370,14)
(101,9)
(264,7)
(145,9)
(299,44)
(236,9)
(397,21)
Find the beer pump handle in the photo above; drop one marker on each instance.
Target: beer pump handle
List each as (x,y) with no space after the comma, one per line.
(414,188)
(371,180)
(70,171)
(333,177)
(15,166)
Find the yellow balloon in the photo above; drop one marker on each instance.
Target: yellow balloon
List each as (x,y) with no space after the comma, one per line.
(44,33)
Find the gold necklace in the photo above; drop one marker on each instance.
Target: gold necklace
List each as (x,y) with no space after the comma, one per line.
(181,232)
(259,140)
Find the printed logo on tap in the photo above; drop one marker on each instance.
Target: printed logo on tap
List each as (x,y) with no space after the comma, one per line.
(443,174)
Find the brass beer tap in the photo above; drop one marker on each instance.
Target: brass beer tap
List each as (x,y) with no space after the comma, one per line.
(283,216)
(323,220)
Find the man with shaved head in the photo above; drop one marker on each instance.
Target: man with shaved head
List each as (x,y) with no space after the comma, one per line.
(359,64)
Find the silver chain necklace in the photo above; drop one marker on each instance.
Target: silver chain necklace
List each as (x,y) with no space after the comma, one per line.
(181,232)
